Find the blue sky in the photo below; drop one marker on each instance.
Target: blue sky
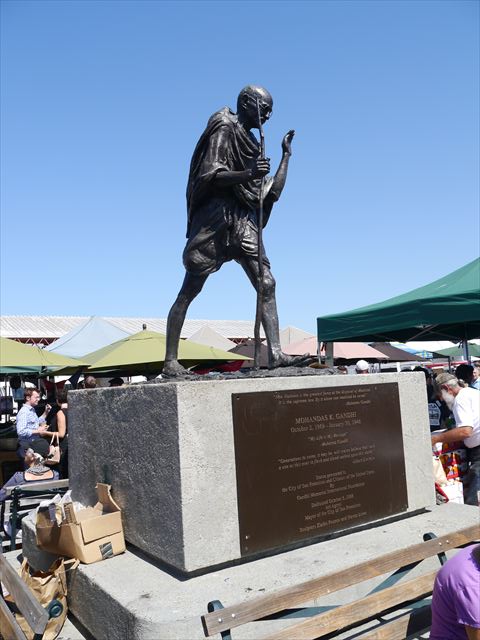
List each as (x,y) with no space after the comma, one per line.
(102,105)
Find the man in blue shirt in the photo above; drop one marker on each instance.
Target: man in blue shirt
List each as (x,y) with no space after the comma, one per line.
(29,425)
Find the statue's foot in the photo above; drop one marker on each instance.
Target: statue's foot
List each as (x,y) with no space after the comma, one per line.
(284,360)
(173,369)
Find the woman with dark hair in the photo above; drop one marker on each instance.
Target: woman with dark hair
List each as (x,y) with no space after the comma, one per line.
(464,372)
(59,425)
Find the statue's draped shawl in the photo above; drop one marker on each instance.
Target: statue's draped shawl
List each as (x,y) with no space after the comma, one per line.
(224,146)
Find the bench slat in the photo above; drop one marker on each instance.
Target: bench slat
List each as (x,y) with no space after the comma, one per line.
(35,615)
(299,594)
(39,486)
(358,611)
(9,629)
(412,622)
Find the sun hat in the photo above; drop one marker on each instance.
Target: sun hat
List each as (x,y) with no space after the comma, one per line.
(362,365)
(40,446)
(444,378)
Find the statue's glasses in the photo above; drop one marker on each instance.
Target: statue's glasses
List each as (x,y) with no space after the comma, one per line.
(264,107)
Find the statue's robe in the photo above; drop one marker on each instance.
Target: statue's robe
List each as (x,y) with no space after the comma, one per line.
(223,221)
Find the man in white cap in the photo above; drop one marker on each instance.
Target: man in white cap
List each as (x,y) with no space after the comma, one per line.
(465,405)
(362,367)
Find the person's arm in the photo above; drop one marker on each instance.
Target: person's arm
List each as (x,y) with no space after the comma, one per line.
(21,425)
(61,424)
(43,417)
(216,164)
(281,175)
(228,178)
(472,633)
(15,480)
(454,435)
(41,430)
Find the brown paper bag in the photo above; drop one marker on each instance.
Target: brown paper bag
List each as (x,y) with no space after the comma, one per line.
(46,586)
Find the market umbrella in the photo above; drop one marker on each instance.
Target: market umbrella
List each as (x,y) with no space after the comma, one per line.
(210,337)
(457,352)
(247,349)
(344,350)
(18,357)
(446,309)
(395,354)
(291,334)
(143,353)
(90,335)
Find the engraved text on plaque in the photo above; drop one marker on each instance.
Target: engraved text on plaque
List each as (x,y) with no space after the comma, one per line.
(313,461)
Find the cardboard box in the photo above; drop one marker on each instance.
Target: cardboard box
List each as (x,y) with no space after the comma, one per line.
(90,534)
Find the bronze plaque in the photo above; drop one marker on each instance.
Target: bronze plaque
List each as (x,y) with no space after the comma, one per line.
(313,461)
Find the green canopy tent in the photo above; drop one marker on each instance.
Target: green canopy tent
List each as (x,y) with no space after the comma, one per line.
(447,309)
(143,353)
(457,352)
(16,357)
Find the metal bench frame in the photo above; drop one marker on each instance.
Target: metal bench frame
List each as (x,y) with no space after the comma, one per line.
(36,616)
(37,491)
(385,598)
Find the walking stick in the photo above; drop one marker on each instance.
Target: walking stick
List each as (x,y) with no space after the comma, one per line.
(259,310)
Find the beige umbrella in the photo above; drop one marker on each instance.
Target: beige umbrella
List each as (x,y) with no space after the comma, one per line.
(344,350)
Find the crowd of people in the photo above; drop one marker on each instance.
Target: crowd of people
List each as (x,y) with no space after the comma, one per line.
(40,431)
(462,399)
(454,415)
(453,409)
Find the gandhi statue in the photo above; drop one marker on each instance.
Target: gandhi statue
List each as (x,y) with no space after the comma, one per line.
(223,196)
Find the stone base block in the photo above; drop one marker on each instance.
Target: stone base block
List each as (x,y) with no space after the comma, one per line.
(168,450)
(128,598)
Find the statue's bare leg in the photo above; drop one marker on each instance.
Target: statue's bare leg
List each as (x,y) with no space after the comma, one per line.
(191,287)
(276,356)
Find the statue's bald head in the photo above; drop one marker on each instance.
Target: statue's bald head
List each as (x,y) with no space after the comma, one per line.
(248,98)
(253,91)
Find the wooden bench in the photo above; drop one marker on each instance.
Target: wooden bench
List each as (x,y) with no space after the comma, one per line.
(25,497)
(384,598)
(36,616)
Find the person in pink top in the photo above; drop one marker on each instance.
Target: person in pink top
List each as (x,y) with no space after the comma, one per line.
(456,597)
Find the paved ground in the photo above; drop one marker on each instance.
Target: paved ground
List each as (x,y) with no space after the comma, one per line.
(71,631)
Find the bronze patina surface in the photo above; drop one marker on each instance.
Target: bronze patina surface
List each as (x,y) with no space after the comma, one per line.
(230,197)
(313,461)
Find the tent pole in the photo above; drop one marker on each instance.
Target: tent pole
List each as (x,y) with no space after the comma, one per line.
(466,354)
(329,354)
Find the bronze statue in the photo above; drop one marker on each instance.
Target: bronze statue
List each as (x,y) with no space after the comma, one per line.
(223,198)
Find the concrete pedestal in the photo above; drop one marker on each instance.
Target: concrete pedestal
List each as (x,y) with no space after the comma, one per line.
(127,598)
(168,451)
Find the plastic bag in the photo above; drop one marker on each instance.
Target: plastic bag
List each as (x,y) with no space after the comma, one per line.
(439,472)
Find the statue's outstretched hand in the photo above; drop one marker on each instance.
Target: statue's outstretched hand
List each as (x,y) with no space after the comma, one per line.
(287,142)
